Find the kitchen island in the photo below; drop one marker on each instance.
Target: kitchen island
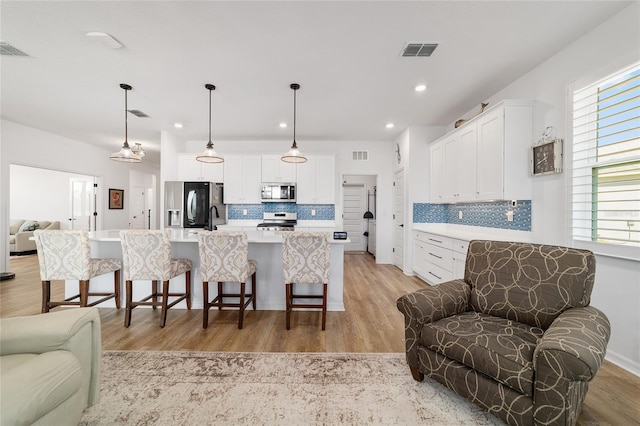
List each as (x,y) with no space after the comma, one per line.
(265,247)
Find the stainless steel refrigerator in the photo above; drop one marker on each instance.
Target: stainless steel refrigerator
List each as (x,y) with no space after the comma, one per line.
(194,205)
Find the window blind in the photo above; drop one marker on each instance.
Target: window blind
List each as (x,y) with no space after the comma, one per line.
(606,160)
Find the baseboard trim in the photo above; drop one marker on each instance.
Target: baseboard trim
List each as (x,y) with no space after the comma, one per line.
(624,363)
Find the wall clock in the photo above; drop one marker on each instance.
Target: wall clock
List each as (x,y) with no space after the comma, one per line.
(546,158)
(398,156)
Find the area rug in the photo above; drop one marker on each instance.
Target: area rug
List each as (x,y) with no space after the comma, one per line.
(189,388)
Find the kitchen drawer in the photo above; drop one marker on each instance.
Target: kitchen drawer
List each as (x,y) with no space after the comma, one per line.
(434,239)
(460,246)
(439,256)
(437,275)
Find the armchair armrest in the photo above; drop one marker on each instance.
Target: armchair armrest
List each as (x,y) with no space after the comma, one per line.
(23,243)
(427,305)
(74,330)
(575,344)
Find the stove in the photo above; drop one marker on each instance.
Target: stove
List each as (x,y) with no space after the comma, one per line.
(279,221)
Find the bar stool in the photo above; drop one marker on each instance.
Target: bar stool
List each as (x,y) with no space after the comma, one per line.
(146,255)
(305,257)
(224,259)
(66,255)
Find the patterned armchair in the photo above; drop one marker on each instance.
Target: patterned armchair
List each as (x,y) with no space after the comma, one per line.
(517,336)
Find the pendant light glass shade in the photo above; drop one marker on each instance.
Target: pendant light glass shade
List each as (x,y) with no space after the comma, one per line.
(294,155)
(126,154)
(209,155)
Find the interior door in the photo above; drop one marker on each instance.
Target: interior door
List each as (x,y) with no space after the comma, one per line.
(137,212)
(398,219)
(82,202)
(353,211)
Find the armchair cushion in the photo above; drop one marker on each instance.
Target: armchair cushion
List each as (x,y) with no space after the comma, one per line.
(498,347)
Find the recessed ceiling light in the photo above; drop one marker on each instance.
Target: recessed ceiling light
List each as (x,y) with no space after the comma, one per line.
(283,125)
(178,125)
(389,126)
(421,87)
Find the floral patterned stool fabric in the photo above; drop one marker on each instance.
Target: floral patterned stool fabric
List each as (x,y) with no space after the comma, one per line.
(305,257)
(224,259)
(146,255)
(66,255)
(517,336)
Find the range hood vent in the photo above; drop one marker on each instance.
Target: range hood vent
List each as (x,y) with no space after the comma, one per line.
(418,49)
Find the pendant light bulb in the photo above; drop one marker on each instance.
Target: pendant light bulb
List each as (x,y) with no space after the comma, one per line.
(209,155)
(294,155)
(126,154)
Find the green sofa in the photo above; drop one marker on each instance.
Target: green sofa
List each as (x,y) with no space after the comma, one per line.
(21,232)
(49,367)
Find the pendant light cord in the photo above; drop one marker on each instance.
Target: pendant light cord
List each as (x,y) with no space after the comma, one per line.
(294,115)
(126,126)
(209,115)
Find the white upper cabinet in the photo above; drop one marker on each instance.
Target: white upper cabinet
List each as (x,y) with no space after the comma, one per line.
(190,169)
(276,170)
(487,158)
(316,182)
(242,178)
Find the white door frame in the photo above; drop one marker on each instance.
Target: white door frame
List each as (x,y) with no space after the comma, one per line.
(398,218)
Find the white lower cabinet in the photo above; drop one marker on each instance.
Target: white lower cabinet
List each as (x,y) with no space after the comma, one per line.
(438,258)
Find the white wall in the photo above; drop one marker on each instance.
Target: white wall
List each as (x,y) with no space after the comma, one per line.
(27,146)
(617,287)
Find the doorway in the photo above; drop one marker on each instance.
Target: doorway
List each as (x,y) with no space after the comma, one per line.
(398,219)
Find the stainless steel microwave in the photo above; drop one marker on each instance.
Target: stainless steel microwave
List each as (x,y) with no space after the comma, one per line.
(278,192)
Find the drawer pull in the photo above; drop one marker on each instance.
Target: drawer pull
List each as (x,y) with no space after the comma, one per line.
(431,239)
(431,273)
(435,255)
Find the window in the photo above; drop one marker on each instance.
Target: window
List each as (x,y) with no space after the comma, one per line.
(606,160)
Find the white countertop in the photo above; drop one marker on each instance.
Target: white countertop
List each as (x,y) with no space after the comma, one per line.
(468,233)
(191,236)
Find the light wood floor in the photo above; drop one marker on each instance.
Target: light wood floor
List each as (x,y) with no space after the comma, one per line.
(370,323)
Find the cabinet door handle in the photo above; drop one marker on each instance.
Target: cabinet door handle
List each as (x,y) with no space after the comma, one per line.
(435,255)
(431,239)
(431,273)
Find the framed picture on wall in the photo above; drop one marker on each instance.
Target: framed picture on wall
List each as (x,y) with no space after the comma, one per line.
(116,198)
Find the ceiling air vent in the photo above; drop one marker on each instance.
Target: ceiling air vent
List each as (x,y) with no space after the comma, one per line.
(8,50)
(138,113)
(419,49)
(360,155)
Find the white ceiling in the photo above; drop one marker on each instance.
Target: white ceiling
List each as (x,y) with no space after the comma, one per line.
(345,55)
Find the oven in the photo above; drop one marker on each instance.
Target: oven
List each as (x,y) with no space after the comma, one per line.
(278,221)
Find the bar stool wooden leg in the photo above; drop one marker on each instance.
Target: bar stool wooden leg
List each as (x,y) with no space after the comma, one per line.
(253,290)
(128,303)
(324,306)
(242,305)
(46,296)
(206,305)
(154,293)
(116,287)
(288,302)
(165,298)
(84,293)
(220,284)
(187,288)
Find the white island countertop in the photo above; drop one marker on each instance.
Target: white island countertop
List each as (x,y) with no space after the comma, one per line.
(191,236)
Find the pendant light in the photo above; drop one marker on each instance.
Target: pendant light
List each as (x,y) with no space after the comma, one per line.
(126,154)
(209,155)
(294,155)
